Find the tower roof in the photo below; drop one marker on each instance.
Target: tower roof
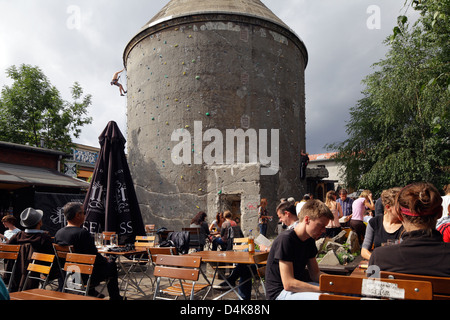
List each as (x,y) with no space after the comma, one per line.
(182,8)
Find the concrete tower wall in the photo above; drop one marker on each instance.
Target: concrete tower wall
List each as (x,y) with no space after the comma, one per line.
(212,71)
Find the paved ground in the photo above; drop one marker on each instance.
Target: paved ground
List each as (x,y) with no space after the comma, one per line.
(146,286)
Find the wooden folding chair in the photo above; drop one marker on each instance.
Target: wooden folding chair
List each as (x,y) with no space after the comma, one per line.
(185,269)
(240,244)
(145,241)
(150,229)
(9,254)
(77,267)
(440,285)
(355,288)
(39,269)
(141,262)
(60,254)
(261,271)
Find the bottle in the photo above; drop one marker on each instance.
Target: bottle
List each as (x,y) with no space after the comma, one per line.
(251,243)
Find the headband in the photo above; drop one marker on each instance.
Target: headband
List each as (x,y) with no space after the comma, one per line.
(408,212)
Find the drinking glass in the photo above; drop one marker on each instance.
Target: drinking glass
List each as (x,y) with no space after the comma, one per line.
(114,241)
(99,240)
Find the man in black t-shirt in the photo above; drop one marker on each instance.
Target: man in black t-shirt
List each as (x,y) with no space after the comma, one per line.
(83,243)
(292,251)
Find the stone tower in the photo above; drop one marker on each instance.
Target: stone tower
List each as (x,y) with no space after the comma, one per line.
(216,111)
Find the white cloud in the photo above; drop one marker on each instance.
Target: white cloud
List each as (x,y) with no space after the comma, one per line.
(341,50)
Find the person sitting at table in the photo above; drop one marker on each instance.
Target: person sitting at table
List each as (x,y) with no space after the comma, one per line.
(83,243)
(222,240)
(38,240)
(4,293)
(9,222)
(385,227)
(287,214)
(199,222)
(422,250)
(292,251)
(216,225)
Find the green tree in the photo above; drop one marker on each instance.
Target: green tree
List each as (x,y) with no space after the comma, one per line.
(399,131)
(32,110)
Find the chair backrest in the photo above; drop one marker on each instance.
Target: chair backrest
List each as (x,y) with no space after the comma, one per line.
(233,232)
(145,241)
(9,254)
(61,253)
(240,244)
(194,236)
(150,229)
(107,234)
(77,265)
(376,288)
(258,259)
(41,264)
(154,252)
(440,285)
(178,267)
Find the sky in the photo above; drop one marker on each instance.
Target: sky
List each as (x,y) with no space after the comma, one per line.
(84,41)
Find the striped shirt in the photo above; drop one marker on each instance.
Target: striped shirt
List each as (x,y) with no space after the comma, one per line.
(346,206)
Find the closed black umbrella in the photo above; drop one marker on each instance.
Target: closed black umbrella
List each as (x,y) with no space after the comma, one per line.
(111,203)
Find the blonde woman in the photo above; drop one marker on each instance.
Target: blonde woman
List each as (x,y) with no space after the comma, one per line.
(334,227)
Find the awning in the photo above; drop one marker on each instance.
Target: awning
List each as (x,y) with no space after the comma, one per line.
(15,176)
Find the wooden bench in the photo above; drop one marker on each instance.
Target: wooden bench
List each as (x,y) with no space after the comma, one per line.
(440,285)
(356,288)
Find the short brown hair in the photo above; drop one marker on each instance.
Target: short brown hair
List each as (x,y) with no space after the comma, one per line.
(10,219)
(227,214)
(315,209)
(287,206)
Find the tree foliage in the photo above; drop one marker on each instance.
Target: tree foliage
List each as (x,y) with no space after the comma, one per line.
(32,110)
(399,131)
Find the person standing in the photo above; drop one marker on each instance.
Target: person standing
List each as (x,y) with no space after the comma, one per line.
(346,205)
(304,161)
(359,208)
(263,218)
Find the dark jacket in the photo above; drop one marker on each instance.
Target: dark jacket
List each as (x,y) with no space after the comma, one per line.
(420,252)
(31,242)
(181,240)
